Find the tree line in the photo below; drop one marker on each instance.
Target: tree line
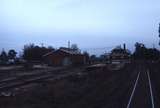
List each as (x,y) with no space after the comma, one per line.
(32,52)
(6,56)
(143,53)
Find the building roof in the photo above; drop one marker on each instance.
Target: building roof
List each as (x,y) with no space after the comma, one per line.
(65,50)
(70,52)
(120,51)
(48,53)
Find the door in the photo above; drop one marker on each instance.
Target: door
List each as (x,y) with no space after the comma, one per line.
(66,61)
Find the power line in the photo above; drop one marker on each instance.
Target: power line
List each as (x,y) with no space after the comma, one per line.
(100,48)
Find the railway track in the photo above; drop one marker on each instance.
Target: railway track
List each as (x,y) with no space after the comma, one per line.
(142,94)
(17,82)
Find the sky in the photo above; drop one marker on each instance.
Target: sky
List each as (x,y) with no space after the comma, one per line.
(92,24)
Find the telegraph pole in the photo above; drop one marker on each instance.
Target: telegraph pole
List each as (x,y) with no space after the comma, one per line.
(159,32)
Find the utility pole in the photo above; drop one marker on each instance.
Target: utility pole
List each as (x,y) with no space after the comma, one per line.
(159,32)
(159,29)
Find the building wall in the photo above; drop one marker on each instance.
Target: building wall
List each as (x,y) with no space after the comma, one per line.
(78,59)
(119,56)
(58,59)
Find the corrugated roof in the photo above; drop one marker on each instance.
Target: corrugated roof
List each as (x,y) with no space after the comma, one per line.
(66,50)
(69,52)
(48,53)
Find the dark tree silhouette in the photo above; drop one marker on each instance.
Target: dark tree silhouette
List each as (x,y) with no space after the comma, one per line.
(93,58)
(102,58)
(12,54)
(141,52)
(74,47)
(152,54)
(3,57)
(32,52)
(87,56)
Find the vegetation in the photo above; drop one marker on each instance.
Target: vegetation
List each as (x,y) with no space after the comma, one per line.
(75,48)
(141,52)
(8,57)
(33,52)
(12,54)
(87,56)
(3,57)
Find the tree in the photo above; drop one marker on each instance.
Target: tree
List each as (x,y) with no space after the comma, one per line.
(141,52)
(93,58)
(74,47)
(102,58)
(152,54)
(3,56)
(33,52)
(12,54)
(86,54)
(27,52)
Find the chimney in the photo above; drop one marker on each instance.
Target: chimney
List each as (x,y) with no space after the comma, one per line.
(124,46)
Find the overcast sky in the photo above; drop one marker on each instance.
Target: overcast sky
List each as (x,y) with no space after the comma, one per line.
(89,23)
